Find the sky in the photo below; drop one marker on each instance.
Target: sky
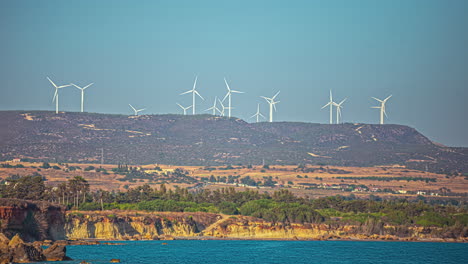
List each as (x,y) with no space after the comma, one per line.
(146,53)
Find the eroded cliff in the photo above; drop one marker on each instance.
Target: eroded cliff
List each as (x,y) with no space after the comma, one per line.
(32,220)
(166,225)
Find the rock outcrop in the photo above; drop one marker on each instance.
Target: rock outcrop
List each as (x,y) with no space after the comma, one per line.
(32,220)
(16,250)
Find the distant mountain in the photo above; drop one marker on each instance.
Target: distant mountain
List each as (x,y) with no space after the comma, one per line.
(212,140)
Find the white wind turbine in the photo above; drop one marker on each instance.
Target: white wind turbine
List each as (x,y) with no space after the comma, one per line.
(228,95)
(338,110)
(382,108)
(193,91)
(331,104)
(221,112)
(272,103)
(135,110)
(258,114)
(184,108)
(214,108)
(82,93)
(56,95)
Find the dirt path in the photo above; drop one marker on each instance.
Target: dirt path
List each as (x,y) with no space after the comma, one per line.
(214,225)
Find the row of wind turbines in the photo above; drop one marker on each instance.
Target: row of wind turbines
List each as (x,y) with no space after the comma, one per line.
(270,100)
(338,106)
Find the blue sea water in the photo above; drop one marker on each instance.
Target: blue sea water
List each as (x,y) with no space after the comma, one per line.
(215,251)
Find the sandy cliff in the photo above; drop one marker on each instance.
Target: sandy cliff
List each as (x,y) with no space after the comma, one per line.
(165,225)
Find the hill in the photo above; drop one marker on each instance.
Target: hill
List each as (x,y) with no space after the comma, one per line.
(212,140)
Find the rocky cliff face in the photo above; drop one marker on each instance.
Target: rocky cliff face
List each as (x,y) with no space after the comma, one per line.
(32,220)
(109,225)
(124,225)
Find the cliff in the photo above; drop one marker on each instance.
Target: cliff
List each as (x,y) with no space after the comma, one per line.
(139,225)
(136,225)
(31,220)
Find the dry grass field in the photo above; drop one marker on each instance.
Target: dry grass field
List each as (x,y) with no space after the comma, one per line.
(325,180)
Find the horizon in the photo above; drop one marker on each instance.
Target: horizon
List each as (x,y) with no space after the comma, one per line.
(146,54)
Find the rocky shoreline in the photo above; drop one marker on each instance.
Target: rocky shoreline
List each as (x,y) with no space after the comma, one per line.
(18,251)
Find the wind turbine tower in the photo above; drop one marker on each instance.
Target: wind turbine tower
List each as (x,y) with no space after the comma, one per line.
(184,108)
(382,108)
(258,114)
(56,95)
(272,103)
(135,110)
(82,93)
(331,104)
(338,110)
(193,91)
(228,95)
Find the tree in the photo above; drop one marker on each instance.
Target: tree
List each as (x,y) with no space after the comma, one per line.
(27,187)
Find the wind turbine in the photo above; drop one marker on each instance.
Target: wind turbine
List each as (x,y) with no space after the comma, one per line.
(184,108)
(221,112)
(382,108)
(258,114)
(272,103)
(228,95)
(331,104)
(56,96)
(214,108)
(82,93)
(338,110)
(193,91)
(135,110)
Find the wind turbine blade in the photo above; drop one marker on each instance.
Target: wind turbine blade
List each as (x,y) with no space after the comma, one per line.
(195,83)
(51,82)
(199,95)
(377,99)
(188,107)
(387,98)
(55,94)
(228,93)
(63,86)
(186,92)
(141,109)
(378,107)
(385,113)
(88,86)
(342,101)
(132,107)
(261,115)
(273,98)
(234,91)
(227,85)
(253,116)
(326,105)
(180,105)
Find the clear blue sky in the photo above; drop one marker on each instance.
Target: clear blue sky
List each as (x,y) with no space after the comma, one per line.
(147,52)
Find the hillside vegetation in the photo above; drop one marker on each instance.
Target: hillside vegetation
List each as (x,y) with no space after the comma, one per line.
(211,140)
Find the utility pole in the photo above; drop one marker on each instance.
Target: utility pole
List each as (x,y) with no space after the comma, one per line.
(102,156)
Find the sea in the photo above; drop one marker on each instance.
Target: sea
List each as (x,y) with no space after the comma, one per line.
(241,251)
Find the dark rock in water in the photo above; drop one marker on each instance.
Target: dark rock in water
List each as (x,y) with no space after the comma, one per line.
(26,253)
(16,250)
(56,253)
